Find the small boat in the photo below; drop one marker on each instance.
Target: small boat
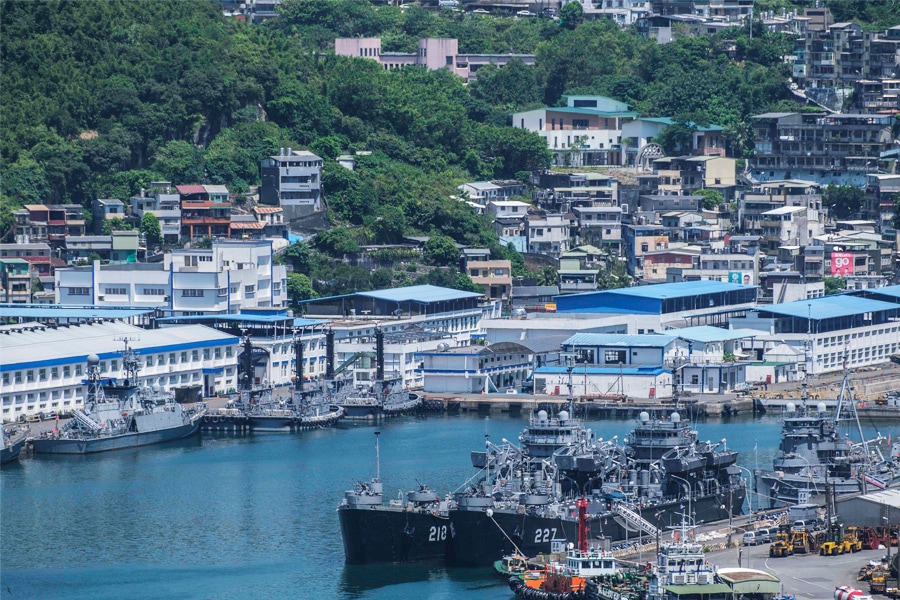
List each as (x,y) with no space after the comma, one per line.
(121,415)
(12,441)
(568,580)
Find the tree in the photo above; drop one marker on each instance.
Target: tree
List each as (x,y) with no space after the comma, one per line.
(712,199)
(548,276)
(844,201)
(151,229)
(303,258)
(115,224)
(337,243)
(834,285)
(203,243)
(677,137)
(180,162)
(299,288)
(440,251)
(571,15)
(389,225)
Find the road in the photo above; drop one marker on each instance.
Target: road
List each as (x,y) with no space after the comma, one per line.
(802,575)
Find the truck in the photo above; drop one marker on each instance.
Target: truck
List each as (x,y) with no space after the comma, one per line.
(851,541)
(845,592)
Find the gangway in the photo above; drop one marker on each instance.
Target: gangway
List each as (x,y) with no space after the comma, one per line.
(635,520)
(86,422)
(353,358)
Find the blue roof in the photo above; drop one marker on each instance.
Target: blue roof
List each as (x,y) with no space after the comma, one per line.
(242,318)
(829,307)
(708,333)
(680,289)
(54,311)
(419,293)
(891,290)
(580,370)
(612,339)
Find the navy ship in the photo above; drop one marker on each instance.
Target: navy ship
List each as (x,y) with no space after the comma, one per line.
(260,408)
(11,443)
(816,449)
(416,528)
(120,415)
(631,491)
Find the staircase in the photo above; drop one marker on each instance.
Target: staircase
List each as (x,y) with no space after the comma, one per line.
(635,520)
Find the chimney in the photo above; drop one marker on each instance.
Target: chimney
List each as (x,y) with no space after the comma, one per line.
(290,152)
(281,152)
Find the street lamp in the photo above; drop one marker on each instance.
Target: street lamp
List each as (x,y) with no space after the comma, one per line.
(690,495)
(752,481)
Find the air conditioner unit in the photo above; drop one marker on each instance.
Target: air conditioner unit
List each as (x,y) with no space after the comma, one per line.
(679,578)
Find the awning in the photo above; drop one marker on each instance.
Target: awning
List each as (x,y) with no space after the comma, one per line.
(694,589)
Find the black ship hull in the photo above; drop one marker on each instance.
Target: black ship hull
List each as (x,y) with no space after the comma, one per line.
(393,535)
(479,539)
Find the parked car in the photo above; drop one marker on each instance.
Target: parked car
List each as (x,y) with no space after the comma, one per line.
(525,13)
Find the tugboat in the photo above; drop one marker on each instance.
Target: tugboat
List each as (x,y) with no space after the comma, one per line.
(417,529)
(816,450)
(681,568)
(569,580)
(117,416)
(11,443)
(258,409)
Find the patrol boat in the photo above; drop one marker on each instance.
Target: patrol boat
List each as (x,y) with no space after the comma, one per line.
(416,528)
(120,415)
(11,443)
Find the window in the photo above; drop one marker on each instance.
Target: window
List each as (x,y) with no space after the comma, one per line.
(42,374)
(67,371)
(154,291)
(184,357)
(6,379)
(223,292)
(172,358)
(612,357)
(195,355)
(79,291)
(54,373)
(78,370)
(116,291)
(249,289)
(191,293)
(579,123)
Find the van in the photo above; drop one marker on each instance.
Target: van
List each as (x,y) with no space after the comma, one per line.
(766,535)
(806,524)
(750,538)
(448,3)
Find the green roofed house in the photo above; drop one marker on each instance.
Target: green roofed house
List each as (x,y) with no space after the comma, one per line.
(15,278)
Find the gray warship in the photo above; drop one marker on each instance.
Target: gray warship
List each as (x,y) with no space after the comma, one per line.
(11,442)
(261,408)
(118,415)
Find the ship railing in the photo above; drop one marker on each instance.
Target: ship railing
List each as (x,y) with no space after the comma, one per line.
(360,401)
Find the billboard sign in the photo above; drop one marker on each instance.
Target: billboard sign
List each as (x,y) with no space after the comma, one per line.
(744,277)
(841,264)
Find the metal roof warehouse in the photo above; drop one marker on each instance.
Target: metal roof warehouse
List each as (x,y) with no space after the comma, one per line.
(661,299)
(396,302)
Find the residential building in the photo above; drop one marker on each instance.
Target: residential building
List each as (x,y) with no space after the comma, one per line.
(877,95)
(205,211)
(600,226)
(562,192)
(165,205)
(839,149)
(15,279)
(495,276)
(118,247)
(770,195)
(881,191)
(40,257)
(705,140)
(35,223)
(43,367)
(103,209)
(533,297)
(789,226)
(717,266)
(547,234)
(432,54)
(508,208)
(638,240)
(292,181)
(683,175)
(587,131)
(658,264)
(231,276)
(484,192)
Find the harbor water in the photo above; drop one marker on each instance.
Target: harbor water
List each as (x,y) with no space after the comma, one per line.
(253,516)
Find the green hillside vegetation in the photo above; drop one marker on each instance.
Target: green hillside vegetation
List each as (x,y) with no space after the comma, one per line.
(100,98)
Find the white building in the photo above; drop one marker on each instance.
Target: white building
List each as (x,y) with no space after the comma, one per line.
(231,276)
(43,367)
(547,234)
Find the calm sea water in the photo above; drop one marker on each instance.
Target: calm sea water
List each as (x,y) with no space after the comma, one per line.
(253,516)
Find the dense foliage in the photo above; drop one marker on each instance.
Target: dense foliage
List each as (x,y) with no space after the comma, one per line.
(100,98)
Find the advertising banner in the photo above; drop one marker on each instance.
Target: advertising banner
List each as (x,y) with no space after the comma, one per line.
(841,263)
(744,277)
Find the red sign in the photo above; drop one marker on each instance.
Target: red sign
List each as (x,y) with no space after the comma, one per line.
(841,263)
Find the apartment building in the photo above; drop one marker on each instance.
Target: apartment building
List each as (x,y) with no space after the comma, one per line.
(36,223)
(547,233)
(231,276)
(839,149)
(292,180)
(205,211)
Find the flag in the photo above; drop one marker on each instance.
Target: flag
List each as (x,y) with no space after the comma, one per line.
(875,481)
